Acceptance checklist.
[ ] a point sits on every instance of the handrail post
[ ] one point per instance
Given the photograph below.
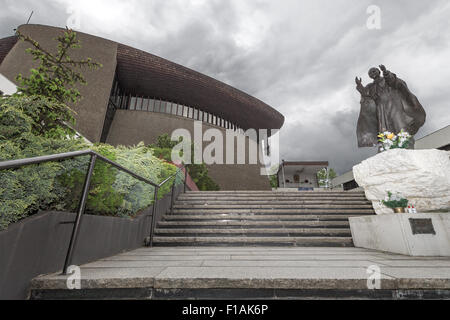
(152, 226)
(185, 177)
(172, 196)
(81, 208)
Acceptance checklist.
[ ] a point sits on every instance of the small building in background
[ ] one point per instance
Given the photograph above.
(300, 175)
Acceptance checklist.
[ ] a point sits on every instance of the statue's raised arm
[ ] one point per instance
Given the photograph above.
(391, 78)
(359, 86)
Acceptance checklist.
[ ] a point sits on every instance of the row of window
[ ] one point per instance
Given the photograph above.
(119, 99)
(161, 106)
(123, 101)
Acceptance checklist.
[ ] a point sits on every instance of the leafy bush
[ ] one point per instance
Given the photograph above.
(58, 185)
(103, 199)
(31, 188)
(322, 176)
(138, 195)
(200, 175)
(198, 172)
(273, 181)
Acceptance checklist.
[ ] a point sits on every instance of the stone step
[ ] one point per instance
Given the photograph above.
(258, 218)
(260, 195)
(271, 211)
(291, 232)
(250, 217)
(193, 193)
(268, 201)
(273, 205)
(272, 192)
(253, 224)
(254, 241)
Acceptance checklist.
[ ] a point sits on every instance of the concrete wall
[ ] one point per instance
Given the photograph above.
(6, 86)
(90, 110)
(132, 127)
(38, 245)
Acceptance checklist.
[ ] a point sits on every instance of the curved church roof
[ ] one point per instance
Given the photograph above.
(142, 73)
(6, 45)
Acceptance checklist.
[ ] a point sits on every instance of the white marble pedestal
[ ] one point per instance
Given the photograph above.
(408, 234)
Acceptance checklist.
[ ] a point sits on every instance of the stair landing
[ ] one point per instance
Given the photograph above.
(254, 273)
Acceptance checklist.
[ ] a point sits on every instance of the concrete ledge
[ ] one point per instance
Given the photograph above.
(238, 294)
(408, 234)
(251, 272)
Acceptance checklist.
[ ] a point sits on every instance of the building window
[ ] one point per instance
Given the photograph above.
(141, 103)
(133, 103)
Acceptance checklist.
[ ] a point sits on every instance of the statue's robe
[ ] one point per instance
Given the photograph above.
(388, 105)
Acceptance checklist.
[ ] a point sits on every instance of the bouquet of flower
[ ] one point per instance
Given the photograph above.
(395, 201)
(389, 140)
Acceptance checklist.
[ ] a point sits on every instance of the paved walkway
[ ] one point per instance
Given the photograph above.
(259, 267)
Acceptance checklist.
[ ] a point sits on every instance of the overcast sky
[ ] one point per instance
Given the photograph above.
(299, 56)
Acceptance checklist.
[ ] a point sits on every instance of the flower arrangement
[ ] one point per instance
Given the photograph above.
(395, 201)
(389, 140)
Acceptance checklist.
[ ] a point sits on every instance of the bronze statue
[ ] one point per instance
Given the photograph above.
(387, 105)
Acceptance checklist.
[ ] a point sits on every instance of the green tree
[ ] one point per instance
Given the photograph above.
(322, 176)
(273, 181)
(57, 73)
(198, 172)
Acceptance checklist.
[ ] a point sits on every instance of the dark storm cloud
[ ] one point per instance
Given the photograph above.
(301, 57)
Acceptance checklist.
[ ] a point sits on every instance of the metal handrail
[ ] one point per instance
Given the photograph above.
(14, 164)
(172, 176)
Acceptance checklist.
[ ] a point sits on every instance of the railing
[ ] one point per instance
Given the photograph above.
(14, 164)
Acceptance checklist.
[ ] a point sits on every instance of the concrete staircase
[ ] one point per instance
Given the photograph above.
(262, 218)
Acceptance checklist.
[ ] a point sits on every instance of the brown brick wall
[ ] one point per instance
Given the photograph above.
(132, 127)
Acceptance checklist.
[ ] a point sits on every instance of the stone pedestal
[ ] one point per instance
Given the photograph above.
(408, 234)
(421, 176)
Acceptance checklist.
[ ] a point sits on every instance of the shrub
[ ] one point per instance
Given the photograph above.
(31, 188)
(198, 172)
(273, 181)
(58, 185)
(103, 199)
(139, 195)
